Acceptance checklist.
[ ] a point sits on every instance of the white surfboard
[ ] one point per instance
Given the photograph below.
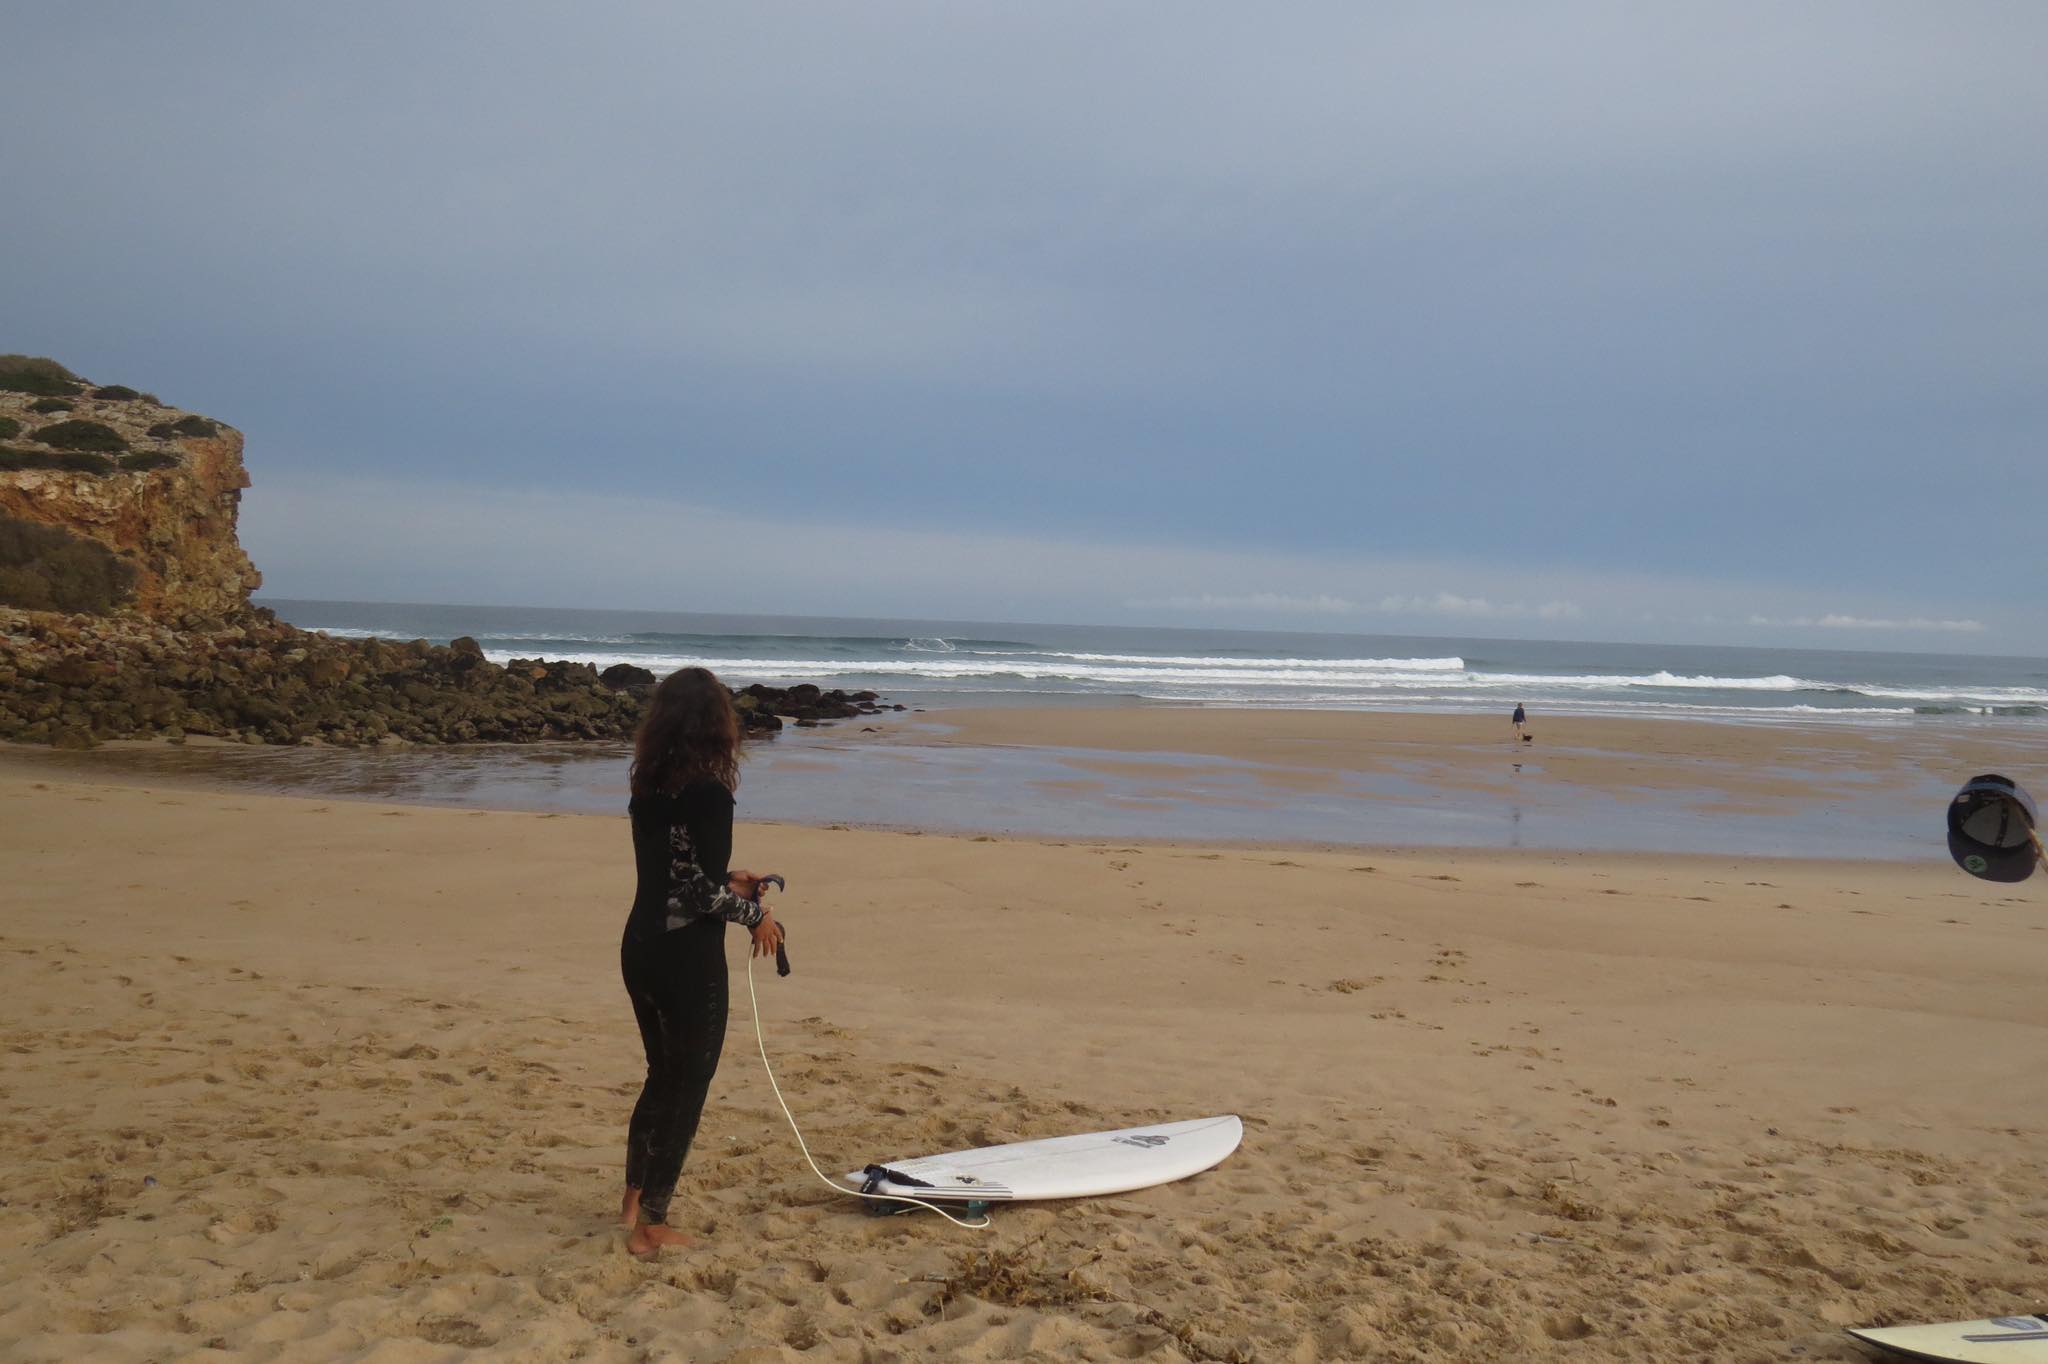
(1083, 1166)
(2020, 1340)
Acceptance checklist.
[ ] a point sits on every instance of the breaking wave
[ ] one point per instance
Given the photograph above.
(955, 667)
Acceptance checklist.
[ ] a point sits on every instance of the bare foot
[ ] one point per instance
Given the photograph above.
(646, 1241)
(629, 1208)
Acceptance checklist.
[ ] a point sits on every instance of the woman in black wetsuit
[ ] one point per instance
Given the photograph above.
(685, 766)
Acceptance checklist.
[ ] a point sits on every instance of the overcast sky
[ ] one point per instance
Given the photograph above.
(1721, 322)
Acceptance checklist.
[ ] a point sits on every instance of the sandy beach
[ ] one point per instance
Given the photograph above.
(294, 1078)
(1415, 586)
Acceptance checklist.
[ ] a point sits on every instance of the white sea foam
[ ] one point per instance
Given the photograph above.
(1297, 681)
(1990, 696)
(952, 667)
(1348, 679)
(952, 664)
(1409, 681)
(537, 636)
(1265, 664)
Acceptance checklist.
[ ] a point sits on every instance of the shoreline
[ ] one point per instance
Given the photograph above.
(1229, 778)
(155, 787)
(352, 1076)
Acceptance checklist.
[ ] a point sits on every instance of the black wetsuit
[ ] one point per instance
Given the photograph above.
(673, 959)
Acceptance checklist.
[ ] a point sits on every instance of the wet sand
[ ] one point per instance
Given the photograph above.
(1753, 764)
(1177, 774)
(317, 1079)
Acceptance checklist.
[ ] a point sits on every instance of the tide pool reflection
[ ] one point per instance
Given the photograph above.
(1065, 793)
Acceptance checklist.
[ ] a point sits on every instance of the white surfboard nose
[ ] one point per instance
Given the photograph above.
(2016, 1339)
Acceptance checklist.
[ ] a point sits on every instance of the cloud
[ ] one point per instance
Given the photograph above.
(444, 542)
(336, 537)
(440, 541)
(1452, 604)
(1321, 603)
(1446, 318)
(1841, 622)
(1836, 620)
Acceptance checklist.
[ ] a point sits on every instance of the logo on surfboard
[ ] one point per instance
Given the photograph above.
(1146, 1139)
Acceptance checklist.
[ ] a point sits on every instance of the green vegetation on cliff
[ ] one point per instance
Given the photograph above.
(184, 426)
(80, 435)
(13, 459)
(37, 374)
(44, 568)
(148, 461)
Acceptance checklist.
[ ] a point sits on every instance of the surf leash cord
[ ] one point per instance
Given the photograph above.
(761, 1041)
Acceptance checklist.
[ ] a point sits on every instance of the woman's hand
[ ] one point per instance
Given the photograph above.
(744, 884)
(767, 935)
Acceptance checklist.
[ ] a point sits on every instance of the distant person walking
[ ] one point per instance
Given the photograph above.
(1521, 718)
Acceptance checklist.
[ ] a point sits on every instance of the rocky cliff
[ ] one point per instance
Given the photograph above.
(157, 486)
(125, 614)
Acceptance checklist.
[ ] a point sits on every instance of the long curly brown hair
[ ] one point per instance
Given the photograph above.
(690, 733)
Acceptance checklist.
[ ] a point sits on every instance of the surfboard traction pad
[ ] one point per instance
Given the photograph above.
(894, 1204)
(2012, 1330)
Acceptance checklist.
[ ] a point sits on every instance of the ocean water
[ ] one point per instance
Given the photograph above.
(915, 775)
(954, 663)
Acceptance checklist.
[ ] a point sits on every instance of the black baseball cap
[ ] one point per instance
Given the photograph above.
(1991, 829)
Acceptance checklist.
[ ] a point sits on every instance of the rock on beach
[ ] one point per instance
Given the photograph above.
(78, 680)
